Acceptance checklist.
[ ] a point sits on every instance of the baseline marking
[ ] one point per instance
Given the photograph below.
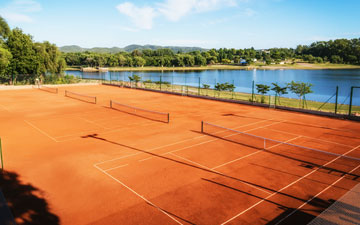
(294, 182)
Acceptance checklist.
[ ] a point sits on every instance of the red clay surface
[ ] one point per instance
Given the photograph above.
(95, 165)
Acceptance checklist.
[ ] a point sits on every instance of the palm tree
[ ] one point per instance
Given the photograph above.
(262, 89)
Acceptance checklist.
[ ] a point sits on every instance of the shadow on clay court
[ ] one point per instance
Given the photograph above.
(25, 202)
(304, 163)
(95, 136)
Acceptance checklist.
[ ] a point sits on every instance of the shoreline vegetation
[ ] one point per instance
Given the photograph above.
(296, 66)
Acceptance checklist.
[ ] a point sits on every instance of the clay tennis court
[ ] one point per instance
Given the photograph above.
(96, 165)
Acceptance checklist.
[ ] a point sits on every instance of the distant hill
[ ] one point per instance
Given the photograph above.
(129, 48)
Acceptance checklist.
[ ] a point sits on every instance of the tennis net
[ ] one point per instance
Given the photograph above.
(148, 114)
(81, 97)
(258, 142)
(48, 89)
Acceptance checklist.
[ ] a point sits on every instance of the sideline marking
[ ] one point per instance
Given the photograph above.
(116, 167)
(5, 108)
(331, 185)
(41, 131)
(294, 182)
(137, 194)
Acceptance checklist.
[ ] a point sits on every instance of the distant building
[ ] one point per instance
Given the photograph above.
(243, 61)
(282, 63)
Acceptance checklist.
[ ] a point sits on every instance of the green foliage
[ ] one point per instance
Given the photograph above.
(262, 89)
(59, 79)
(300, 89)
(135, 78)
(22, 60)
(278, 91)
(206, 86)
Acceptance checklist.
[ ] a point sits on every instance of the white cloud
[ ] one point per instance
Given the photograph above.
(142, 17)
(173, 10)
(17, 18)
(18, 11)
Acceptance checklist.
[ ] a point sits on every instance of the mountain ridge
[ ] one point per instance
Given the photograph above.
(129, 48)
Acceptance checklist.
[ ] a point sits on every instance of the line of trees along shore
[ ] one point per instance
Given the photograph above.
(23, 60)
(341, 51)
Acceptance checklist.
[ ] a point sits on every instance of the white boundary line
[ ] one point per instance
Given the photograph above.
(116, 167)
(294, 182)
(5, 108)
(41, 131)
(331, 185)
(137, 194)
(89, 121)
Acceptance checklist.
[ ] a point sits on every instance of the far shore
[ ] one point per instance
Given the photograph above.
(296, 66)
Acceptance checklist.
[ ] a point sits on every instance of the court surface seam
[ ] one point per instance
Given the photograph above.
(283, 188)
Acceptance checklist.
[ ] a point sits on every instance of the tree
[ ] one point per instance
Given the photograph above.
(278, 91)
(5, 57)
(300, 89)
(4, 29)
(134, 78)
(206, 87)
(262, 89)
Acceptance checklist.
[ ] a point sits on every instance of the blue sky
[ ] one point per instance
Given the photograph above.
(203, 23)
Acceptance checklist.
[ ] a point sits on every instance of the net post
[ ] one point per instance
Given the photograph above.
(1, 155)
(264, 143)
(95, 99)
(168, 117)
(202, 126)
(65, 92)
(351, 96)
(110, 103)
(336, 98)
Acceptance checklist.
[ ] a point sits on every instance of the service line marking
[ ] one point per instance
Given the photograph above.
(292, 183)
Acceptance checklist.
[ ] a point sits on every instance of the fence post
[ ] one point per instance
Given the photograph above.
(160, 81)
(336, 98)
(232, 93)
(351, 95)
(199, 87)
(252, 92)
(1, 155)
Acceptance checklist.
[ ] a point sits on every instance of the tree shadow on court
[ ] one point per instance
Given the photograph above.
(25, 201)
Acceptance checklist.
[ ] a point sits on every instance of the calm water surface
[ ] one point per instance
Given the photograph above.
(324, 81)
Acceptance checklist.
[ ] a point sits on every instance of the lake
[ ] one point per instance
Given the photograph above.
(324, 81)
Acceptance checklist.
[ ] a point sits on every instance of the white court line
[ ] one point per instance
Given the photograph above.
(205, 167)
(116, 167)
(332, 142)
(331, 185)
(254, 153)
(175, 143)
(294, 182)
(6, 109)
(41, 131)
(137, 194)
